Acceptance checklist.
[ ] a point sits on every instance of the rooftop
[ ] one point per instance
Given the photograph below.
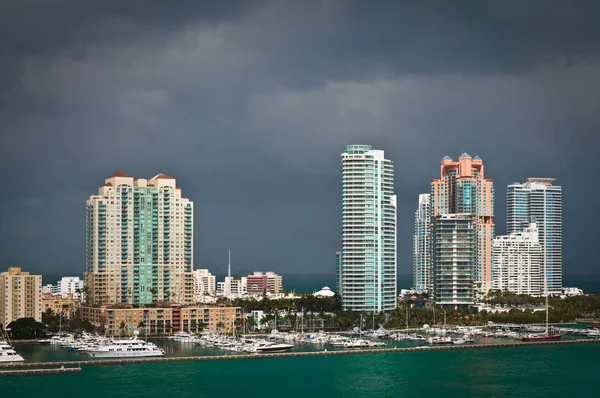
(119, 174)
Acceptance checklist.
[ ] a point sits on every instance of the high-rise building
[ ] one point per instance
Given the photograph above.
(463, 189)
(422, 272)
(539, 201)
(454, 258)
(517, 262)
(204, 283)
(139, 242)
(367, 262)
(20, 296)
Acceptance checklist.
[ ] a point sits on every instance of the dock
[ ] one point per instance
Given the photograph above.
(324, 352)
(44, 371)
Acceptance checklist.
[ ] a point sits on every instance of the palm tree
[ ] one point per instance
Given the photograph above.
(122, 327)
(220, 326)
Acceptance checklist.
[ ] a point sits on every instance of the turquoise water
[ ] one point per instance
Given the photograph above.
(547, 371)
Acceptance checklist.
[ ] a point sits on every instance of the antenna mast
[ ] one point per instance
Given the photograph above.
(229, 277)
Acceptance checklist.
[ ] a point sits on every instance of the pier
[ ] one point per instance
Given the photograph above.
(44, 371)
(325, 352)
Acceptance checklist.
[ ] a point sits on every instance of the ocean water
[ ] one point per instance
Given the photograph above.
(547, 371)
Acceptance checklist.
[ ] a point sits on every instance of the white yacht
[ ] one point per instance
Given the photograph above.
(269, 347)
(8, 353)
(129, 348)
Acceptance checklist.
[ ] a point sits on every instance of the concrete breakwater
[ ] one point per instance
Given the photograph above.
(45, 371)
(35, 365)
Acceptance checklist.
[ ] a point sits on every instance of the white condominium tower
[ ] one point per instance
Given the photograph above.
(517, 259)
(139, 242)
(422, 272)
(367, 260)
(454, 258)
(539, 201)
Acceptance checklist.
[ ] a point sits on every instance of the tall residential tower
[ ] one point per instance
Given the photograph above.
(367, 260)
(463, 189)
(539, 201)
(422, 273)
(139, 242)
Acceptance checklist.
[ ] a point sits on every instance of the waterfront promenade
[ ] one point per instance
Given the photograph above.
(37, 365)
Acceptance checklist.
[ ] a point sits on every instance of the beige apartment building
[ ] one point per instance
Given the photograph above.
(21, 295)
(165, 318)
(67, 306)
(139, 238)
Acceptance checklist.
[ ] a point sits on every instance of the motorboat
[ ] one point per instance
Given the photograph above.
(273, 347)
(127, 348)
(8, 353)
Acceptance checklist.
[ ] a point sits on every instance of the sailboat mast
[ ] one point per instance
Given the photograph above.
(407, 318)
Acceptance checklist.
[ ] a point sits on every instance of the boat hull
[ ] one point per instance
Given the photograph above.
(275, 349)
(11, 358)
(124, 354)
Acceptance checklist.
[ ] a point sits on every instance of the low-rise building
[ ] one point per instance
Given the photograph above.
(165, 318)
(233, 287)
(275, 282)
(20, 296)
(257, 284)
(66, 305)
(204, 285)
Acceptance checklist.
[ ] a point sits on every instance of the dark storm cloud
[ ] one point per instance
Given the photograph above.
(248, 105)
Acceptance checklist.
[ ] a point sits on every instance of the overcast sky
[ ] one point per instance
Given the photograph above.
(249, 104)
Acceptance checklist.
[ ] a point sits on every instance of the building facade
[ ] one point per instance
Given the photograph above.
(463, 189)
(167, 318)
(454, 258)
(367, 261)
(517, 262)
(422, 264)
(264, 282)
(21, 295)
(274, 282)
(66, 305)
(70, 285)
(233, 287)
(139, 236)
(539, 201)
(257, 284)
(205, 284)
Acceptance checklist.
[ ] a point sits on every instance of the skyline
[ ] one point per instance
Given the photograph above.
(251, 123)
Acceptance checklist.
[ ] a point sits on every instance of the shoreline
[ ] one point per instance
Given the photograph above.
(26, 365)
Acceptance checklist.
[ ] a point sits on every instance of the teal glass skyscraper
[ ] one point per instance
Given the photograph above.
(539, 201)
(367, 259)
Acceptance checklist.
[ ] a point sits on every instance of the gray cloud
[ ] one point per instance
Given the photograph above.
(249, 104)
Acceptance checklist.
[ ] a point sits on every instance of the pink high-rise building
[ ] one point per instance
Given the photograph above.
(463, 189)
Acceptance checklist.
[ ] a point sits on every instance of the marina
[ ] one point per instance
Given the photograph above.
(325, 352)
